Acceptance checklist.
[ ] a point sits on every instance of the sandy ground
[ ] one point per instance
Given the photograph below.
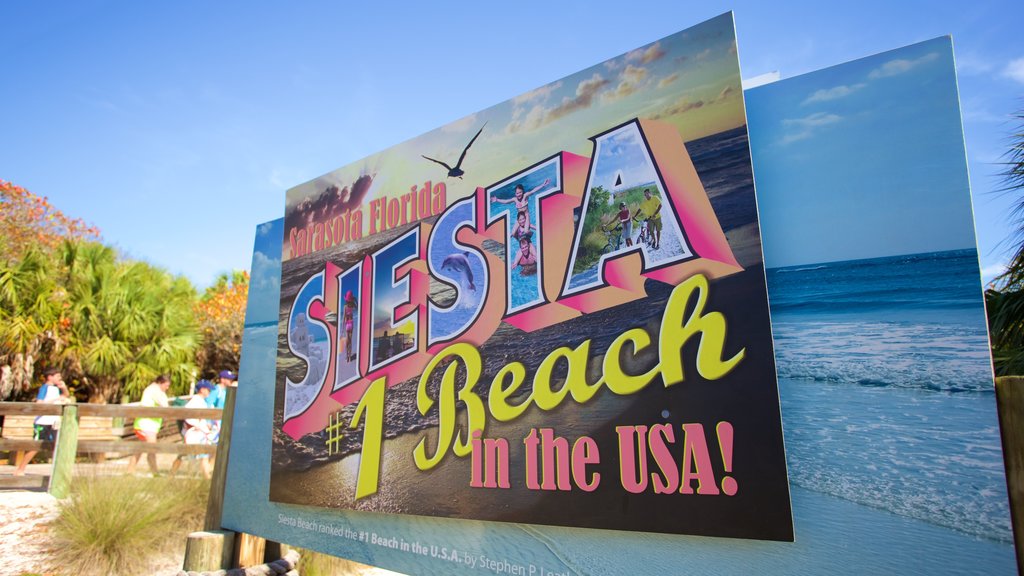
(24, 530)
(25, 515)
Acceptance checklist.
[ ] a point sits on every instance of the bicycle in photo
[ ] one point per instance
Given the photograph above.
(646, 236)
(614, 236)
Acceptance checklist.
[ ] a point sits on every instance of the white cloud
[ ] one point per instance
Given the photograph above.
(539, 94)
(828, 94)
(538, 116)
(461, 125)
(1015, 70)
(668, 80)
(761, 79)
(652, 53)
(803, 128)
(900, 66)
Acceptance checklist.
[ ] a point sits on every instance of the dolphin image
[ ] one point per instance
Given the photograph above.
(460, 263)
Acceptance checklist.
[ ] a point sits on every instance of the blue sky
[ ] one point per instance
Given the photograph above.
(843, 156)
(176, 128)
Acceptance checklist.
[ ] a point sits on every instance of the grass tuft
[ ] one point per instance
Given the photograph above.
(120, 524)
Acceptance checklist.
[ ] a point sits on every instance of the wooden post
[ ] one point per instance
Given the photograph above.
(64, 452)
(215, 505)
(208, 551)
(1010, 400)
(250, 550)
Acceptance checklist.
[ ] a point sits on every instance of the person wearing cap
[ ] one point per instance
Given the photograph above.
(147, 429)
(217, 398)
(198, 431)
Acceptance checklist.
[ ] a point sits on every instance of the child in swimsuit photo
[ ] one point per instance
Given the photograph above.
(522, 198)
(523, 226)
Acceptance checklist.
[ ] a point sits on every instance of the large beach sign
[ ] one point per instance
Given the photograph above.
(892, 439)
(534, 314)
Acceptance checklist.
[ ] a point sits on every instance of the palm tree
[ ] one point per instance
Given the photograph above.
(1004, 300)
(129, 322)
(29, 319)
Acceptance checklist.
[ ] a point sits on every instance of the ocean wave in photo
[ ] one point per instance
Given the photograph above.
(886, 387)
(932, 457)
(887, 287)
(927, 356)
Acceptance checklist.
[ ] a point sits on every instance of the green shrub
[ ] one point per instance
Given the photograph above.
(120, 524)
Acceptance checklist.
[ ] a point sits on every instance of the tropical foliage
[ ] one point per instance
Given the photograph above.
(1004, 300)
(31, 222)
(220, 314)
(110, 324)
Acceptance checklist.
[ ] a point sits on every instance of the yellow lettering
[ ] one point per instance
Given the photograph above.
(618, 381)
(497, 400)
(675, 332)
(446, 413)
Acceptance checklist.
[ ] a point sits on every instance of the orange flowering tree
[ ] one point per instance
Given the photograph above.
(31, 222)
(220, 315)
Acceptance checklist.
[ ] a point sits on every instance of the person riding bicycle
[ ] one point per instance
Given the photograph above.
(626, 223)
(613, 230)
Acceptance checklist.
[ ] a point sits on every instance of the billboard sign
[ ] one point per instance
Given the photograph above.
(552, 311)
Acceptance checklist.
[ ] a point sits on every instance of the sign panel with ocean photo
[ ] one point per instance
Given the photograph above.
(552, 311)
(877, 311)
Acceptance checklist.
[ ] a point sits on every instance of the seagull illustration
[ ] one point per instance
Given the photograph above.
(457, 171)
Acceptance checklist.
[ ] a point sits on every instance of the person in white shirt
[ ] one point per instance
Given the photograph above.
(198, 431)
(53, 391)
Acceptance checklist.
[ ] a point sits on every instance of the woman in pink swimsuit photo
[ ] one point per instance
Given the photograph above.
(526, 259)
(349, 318)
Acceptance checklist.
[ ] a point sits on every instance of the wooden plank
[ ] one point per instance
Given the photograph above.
(28, 481)
(120, 446)
(24, 444)
(29, 408)
(215, 503)
(110, 410)
(133, 447)
(64, 455)
(174, 412)
(1010, 400)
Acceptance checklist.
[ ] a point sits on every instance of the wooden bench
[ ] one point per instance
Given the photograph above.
(90, 428)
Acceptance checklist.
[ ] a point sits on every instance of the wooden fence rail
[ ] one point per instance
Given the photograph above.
(68, 445)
